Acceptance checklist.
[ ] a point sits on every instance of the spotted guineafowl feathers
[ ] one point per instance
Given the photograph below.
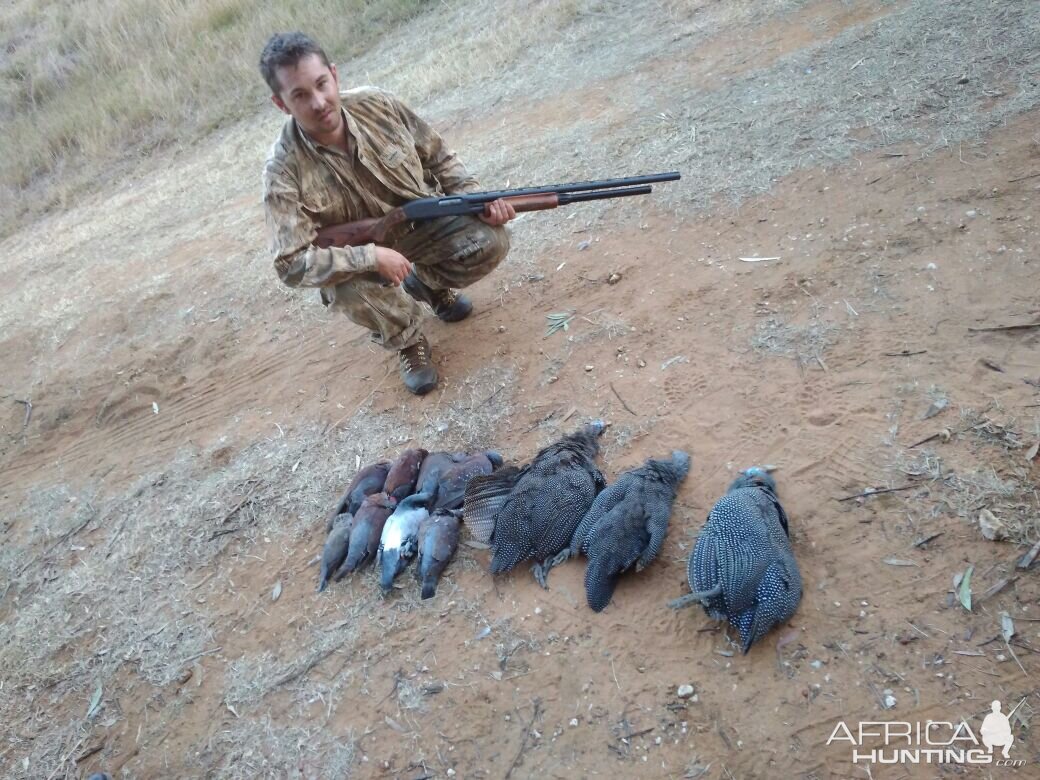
(742, 567)
(627, 524)
(536, 509)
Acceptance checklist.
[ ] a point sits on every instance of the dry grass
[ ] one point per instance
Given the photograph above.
(79, 79)
(807, 343)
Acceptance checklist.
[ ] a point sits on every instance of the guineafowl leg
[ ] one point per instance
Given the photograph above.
(561, 556)
(541, 571)
(700, 597)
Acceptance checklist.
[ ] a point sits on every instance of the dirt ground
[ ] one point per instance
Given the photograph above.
(191, 421)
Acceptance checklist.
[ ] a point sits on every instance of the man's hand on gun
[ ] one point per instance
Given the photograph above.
(497, 212)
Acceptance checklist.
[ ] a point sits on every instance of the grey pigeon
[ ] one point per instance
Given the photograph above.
(368, 480)
(534, 510)
(366, 533)
(400, 538)
(335, 549)
(452, 483)
(438, 540)
(626, 525)
(742, 567)
(432, 466)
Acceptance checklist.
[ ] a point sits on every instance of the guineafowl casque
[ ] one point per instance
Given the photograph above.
(626, 525)
(534, 510)
(742, 568)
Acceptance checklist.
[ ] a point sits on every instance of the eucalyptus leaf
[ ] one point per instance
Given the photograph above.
(964, 591)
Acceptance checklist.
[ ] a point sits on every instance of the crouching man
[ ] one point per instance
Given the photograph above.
(342, 157)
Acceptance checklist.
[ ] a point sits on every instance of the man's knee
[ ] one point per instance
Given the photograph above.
(491, 245)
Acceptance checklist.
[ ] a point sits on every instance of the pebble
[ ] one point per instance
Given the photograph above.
(450, 772)
(816, 664)
(685, 691)
(574, 722)
(584, 245)
(553, 379)
(641, 363)
(614, 278)
(589, 368)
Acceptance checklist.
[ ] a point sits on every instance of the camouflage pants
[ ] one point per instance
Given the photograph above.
(447, 252)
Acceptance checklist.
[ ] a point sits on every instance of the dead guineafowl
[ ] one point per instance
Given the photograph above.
(742, 568)
(366, 533)
(367, 481)
(400, 538)
(438, 540)
(534, 510)
(335, 550)
(626, 525)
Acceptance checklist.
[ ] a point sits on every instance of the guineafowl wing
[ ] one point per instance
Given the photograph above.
(603, 503)
(558, 507)
(776, 599)
(656, 498)
(485, 496)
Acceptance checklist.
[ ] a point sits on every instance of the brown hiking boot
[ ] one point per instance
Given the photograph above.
(417, 370)
(448, 305)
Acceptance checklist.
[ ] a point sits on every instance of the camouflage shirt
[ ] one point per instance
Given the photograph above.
(393, 157)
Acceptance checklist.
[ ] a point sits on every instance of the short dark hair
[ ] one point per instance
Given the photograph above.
(284, 50)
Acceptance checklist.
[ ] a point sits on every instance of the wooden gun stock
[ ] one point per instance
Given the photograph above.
(364, 231)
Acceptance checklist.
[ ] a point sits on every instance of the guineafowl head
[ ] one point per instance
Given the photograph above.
(755, 476)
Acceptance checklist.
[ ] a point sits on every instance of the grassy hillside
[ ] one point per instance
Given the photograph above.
(88, 87)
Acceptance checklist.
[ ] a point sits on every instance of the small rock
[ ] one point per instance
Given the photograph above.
(890, 701)
(641, 363)
(582, 245)
(553, 379)
(538, 610)
(932, 267)
(614, 278)
(685, 691)
(501, 328)
(574, 722)
(589, 368)
(450, 772)
(971, 213)
(816, 664)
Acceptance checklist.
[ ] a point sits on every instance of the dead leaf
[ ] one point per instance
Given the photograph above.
(964, 591)
(1031, 453)
(276, 592)
(936, 407)
(1007, 626)
(898, 562)
(95, 702)
(395, 725)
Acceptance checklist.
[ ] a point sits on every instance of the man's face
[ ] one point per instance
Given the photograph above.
(310, 93)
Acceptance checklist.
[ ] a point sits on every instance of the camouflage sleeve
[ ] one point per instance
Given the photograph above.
(436, 157)
(298, 262)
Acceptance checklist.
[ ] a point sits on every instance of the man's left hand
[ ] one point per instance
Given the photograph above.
(497, 212)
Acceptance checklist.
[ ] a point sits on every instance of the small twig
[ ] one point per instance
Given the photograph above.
(1008, 646)
(230, 513)
(925, 540)
(919, 631)
(622, 400)
(527, 734)
(197, 656)
(1023, 178)
(904, 353)
(89, 752)
(639, 733)
(224, 532)
(924, 440)
(867, 493)
(28, 411)
(1024, 326)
